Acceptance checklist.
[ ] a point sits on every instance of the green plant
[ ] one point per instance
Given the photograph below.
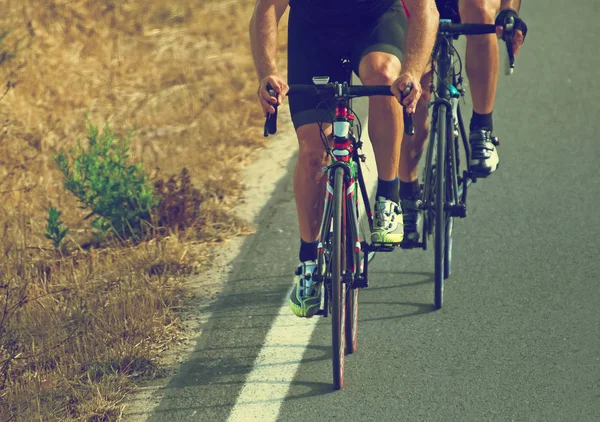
(55, 231)
(118, 194)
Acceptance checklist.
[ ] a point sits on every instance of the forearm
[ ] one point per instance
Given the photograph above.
(420, 38)
(263, 40)
(510, 4)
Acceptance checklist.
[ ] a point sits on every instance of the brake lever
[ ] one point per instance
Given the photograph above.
(508, 32)
(409, 127)
(271, 119)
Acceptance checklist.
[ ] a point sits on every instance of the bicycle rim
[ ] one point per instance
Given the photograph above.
(440, 220)
(338, 299)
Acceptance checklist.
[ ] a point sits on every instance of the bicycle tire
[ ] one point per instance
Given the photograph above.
(452, 198)
(351, 320)
(338, 299)
(353, 259)
(440, 220)
(448, 246)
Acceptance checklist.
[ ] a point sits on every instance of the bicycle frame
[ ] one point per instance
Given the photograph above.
(345, 156)
(446, 104)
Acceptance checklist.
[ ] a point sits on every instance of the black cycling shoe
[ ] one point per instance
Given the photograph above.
(412, 221)
(484, 156)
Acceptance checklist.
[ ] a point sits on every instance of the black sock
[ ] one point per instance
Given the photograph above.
(409, 190)
(481, 122)
(308, 251)
(389, 189)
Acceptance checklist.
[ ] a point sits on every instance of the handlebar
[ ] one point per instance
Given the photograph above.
(446, 27)
(338, 91)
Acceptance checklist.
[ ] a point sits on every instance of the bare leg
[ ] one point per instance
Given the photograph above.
(385, 113)
(310, 181)
(412, 146)
(482, 55)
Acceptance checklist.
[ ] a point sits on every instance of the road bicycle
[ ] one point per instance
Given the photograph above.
(445, 182)
(344, 248)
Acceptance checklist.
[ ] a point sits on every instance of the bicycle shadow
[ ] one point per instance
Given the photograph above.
(367, 300)
(212, 376)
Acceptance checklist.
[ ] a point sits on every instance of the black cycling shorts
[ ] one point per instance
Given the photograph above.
(448, 10)
(317, 50)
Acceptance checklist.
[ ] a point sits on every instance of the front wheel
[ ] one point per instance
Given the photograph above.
(439, 202)
(338, 299)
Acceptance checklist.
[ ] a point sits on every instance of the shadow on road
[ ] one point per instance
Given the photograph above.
(208, 383)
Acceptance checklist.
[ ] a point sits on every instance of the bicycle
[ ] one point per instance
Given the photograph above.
(342, 245)
(444, 188)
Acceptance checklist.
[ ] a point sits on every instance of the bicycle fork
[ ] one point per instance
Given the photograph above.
(342, 152)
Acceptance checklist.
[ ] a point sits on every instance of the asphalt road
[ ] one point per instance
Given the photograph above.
(519, 335)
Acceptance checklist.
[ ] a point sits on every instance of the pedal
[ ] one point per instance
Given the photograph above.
(382, 248)
(411, 245)
(360, 283)
(459, 210)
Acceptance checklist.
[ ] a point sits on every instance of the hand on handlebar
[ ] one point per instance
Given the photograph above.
(408, 95)
(411, 83)
(515, 34)
(267, 100)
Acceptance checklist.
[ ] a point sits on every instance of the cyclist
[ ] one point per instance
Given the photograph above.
(482, 66)
(384, 50)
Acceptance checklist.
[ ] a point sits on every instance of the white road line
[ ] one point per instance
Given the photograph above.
(275, 367)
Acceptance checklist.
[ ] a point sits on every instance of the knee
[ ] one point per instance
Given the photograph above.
(424, 98)
(379, 69)
(421, 116)
(312, 160)
(311, 152)
(478, 11)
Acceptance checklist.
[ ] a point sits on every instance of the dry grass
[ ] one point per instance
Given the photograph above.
(75, 330)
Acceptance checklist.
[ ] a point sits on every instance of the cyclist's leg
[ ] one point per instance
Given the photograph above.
(385, 113)
(304, 62)
(309, 180)
(308, 57)
(482, 65)
(482, 54)
(412, 149)
(412, 146)
(378, 55)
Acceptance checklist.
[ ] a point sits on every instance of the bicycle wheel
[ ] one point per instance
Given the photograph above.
(429, 181)
(351, 320)
(353, 258)
(448, 247)
(338, 297)
(440, 217)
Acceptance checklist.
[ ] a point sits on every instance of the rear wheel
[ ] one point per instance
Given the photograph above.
(448, 247)
(338, 297)
(351, 319)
